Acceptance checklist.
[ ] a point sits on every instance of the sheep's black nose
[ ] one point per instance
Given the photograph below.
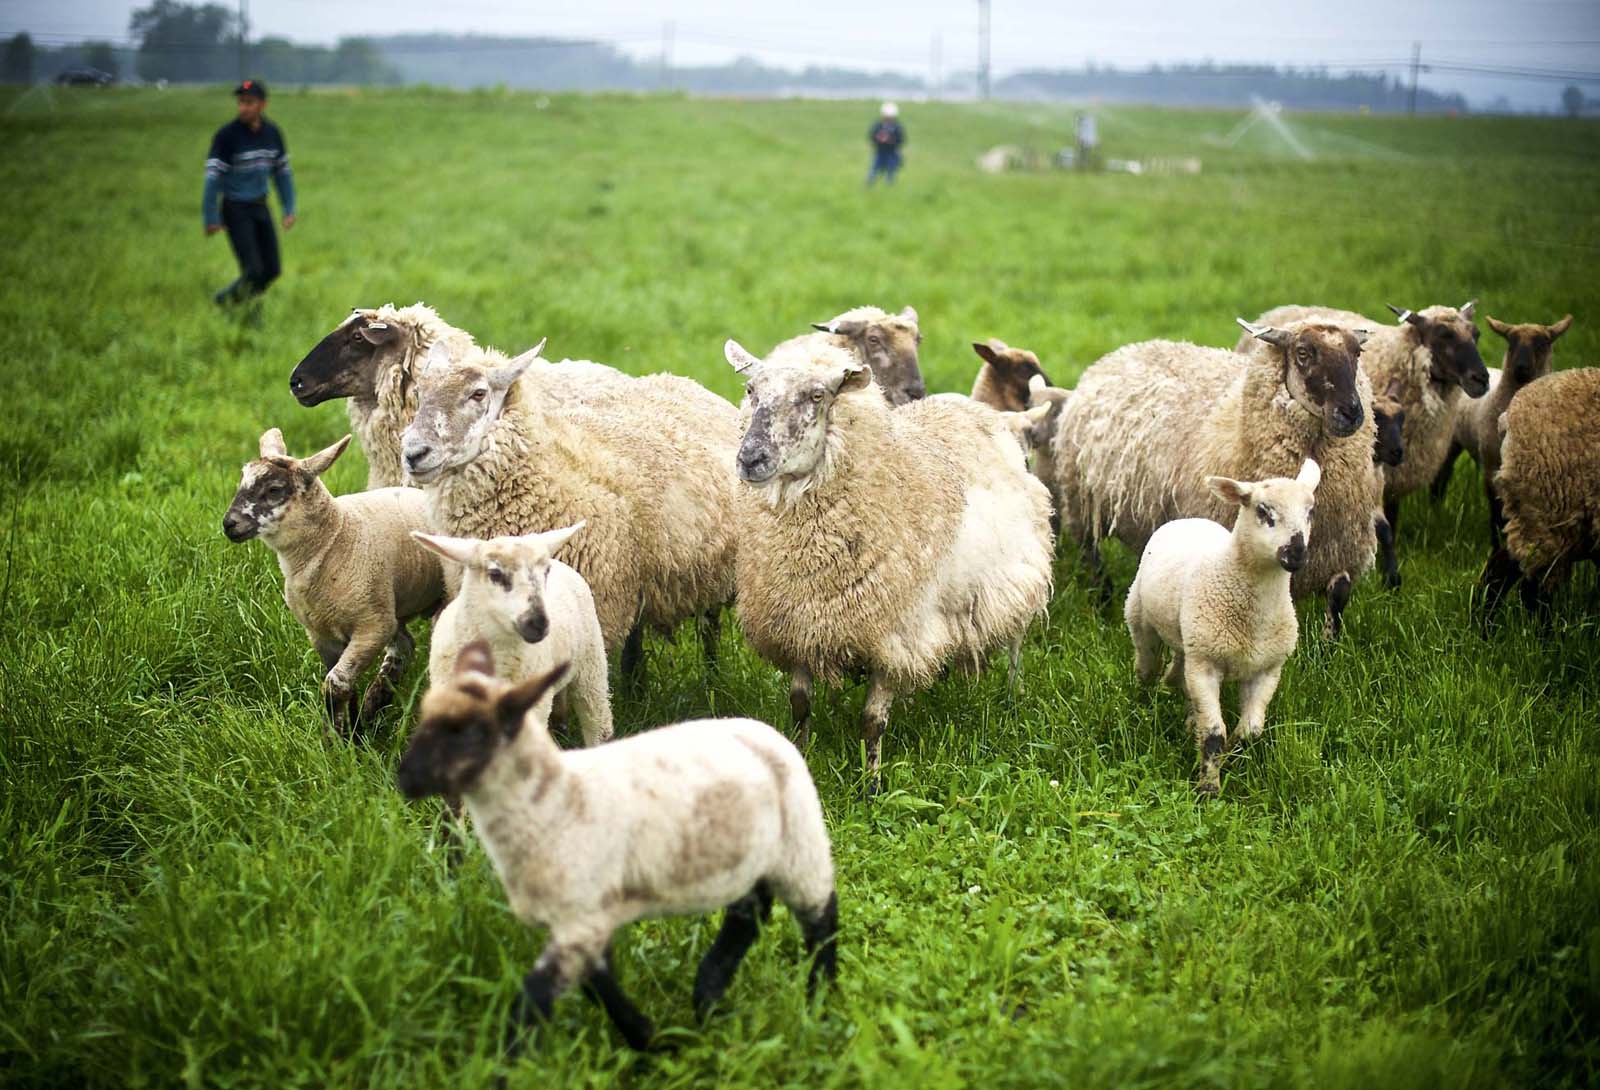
(533, 629)
(235, 527)
(416, 455)
(1292, 557)
(295, 385)
(1347, 420)
(755, 465)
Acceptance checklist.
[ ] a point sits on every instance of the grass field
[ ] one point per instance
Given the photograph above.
(1399, 887)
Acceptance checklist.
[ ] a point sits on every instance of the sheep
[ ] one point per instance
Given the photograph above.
(1433, 354)
(1529, 348)
(886, 343)
(351, 576)
(532, 610)
(648, 470)
(681, 819)
(372, 358)
(891, 542)
(1146, 424)
(1220, 602)
(1003, 380)
(1388, 451)
(1549, 486)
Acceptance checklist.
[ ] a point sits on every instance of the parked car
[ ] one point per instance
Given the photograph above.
(84, 76)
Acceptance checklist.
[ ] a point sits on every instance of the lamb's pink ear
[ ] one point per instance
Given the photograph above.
(1310, 473)
(272, 444)
(740, 360)
(463, 550)
(1229, 490)
(476, 658)
(319, 462)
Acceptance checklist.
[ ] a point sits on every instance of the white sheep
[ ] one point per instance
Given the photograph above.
(533, 611)
(891, 542)
(681, 819)
(647, 470)
(352, 576)
(1148, 423)
(1220, 601)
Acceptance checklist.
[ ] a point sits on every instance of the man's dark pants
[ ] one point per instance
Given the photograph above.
(255, 244)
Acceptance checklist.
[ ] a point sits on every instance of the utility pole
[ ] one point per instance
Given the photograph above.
(983, 48)
(244, 33)
(1416, 63)
(934, 62)
(668, 31)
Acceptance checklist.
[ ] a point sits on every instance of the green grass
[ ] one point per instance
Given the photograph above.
(1400, 886)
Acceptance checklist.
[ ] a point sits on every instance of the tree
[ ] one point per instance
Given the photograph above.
(184, 41)
(17, 65)
(100, 55)
(1572, 100)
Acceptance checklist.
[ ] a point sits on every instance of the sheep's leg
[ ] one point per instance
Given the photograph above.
(1500, 575)
(1391, 512)
(1497, 514)
(800, 705)
(1014, 667)
(1441, 480)
(874, 722)
(602, 987)
(556, 970)
(1174, 674)
(1147, 651)
(329, 653)
(380, 694)
(633, 652)
(820, 928)
(710, 625)
(1203, 683)
(1094, 568)
(339, 685)
(1388, 562)
(1338, 598)
(741, 923)
(591, 703)
(1254, 695)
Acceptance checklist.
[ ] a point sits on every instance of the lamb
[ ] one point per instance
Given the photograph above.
(372, 358)
(886, 343)
(351, 575)
(1220, 601)
(1549, 486)
(1433, 355)
(533, 611)
(834, 577)
(1529, 348)
(681, 819)
(1148, 423)
(1003, 380)
(647, 470)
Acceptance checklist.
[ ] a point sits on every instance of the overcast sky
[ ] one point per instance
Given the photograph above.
(1547, 35)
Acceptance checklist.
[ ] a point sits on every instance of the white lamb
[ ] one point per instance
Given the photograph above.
(1220, 601)
(682, 819)
(533, 611)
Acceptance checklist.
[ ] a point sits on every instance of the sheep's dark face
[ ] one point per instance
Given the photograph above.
(786, 412)
(267, 489)
(458, 404)
(1529, 347)
(1388, 447)
(1320, 367)
(466, 721)
(888, 345)
(346, 362)
(1451, 339)
(1274, 519)
(1010, 369)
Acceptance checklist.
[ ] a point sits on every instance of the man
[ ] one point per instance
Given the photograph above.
(243, 153)
(1088, 136)
(887, 137)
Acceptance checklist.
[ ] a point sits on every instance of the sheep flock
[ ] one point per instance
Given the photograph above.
(549, 515)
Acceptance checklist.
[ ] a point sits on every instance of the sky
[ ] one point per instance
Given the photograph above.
(904, 35)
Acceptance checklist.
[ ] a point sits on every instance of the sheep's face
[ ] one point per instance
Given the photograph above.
(505, 578)
(1388, 448)
(786, 412)
(1451, 339)
(887, 343)
(271, 488)
(1528, 347)
(466, 721)
(1010, 370)
(458, 403)
(1274, 520)
(1319, 370)
(346, 362)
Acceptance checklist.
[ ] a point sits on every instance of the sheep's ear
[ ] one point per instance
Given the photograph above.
(501, 378)
(552, 540)
(1040, 392)
(438, 356)
(476, 658)
(379, 333)
(1468, 307)
(853, 376)
(1560, 327)
(272, 444)
(1395, 390)
(1497, 325)
(1310, 473)
(987, 352)
(852, 328)
(463, 550)
(910, 315)
(1271, 334)
(319, 462)
(1502, 424)
(1361, 336)
(513, 705)
(1229, 490)
(1407, 315)
(740, 360)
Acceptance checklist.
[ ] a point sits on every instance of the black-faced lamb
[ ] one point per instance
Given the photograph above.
(1220, 602)
(1148, 423)
(889, 542)
(352, 576)
(682, 819)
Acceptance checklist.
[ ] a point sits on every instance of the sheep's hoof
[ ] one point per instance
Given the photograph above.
(1208, 789)
(870, 789)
